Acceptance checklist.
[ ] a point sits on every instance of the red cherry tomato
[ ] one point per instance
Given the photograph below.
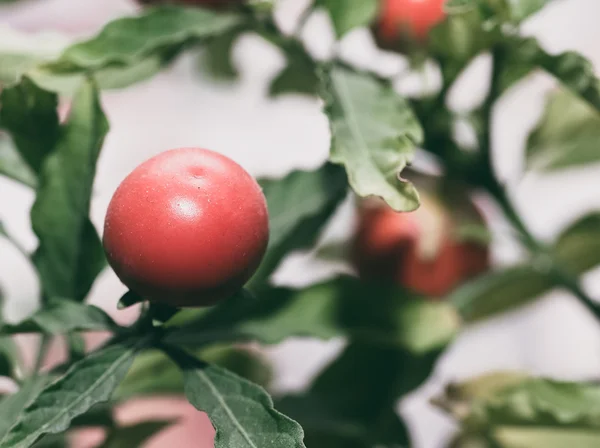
(389, 246)
(412, 18)
(187, 227)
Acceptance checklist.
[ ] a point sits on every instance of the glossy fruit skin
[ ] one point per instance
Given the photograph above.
(187, 227)
(412, 19)
(387, 248)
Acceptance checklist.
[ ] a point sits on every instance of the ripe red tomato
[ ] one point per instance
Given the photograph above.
(187, 227)
(408, 18)
(416, 250)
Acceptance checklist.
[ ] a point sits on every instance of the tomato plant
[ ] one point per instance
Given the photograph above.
(196, 240)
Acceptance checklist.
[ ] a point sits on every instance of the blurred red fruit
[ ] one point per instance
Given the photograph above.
(419, 250)
(407, 20)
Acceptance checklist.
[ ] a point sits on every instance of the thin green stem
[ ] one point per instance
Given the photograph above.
(42, 352)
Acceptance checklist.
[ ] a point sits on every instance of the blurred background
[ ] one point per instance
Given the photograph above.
(183, 106)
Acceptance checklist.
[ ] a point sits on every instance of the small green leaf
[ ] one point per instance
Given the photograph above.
(349, 14)
(315, 195)
(217, 58)
(70, 253)
(61, 317)
(374, 135)
(578, 247)
(129, 40)
(12, 164)
(12, 406)
(298, 76)
(566, 136)
(87, 383)
(133, 435)
(572, 69)
(166, 377)
(30, 114)
(499, 291)
(14, 65)
(241, 412)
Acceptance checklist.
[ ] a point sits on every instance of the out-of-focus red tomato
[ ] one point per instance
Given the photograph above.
(407, 19)
(419, 250)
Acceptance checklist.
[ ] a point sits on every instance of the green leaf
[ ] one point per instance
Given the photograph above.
(12, 164)
(61, 317)
(10, 359)
(298, 76)
(365, 417)
(29, 113)
(70, 253)
(349, 14)
(578, 247)
(566, 135)
(499, 291)
(87, 383)
(337, 307)
(14, 65)
(315, 196)
(570, 68)
(217, 58)
(11, 406)
(133, 435)
(374, 135)
(128, 40)
(473, 26)
(111, 77)
(166, 377)
(241, 412)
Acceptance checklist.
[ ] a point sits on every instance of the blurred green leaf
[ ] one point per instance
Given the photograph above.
(30, 114)
(10, 357)
(510, 410)
(315, 196)
(129, 40)
(12, 164)
(217, 56)
(337, 307)
(134, 435)
(153, 373)
(298, 76)
(570, 68)
(578, 247)
(70, 253)
(499, 291)
(576, 251)
(14, 65)
(566, 136)
(366, 416)
(61, 317)
(349, 14)
(374, 136)
(112, 77)
(12, 405)
(241, 412)
(87, 383)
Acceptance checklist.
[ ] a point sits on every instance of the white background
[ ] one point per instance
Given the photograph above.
(181, 107)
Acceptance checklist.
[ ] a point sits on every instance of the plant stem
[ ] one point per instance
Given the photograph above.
(42, 352)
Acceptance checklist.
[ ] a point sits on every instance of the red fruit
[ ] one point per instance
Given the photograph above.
(187, 227)
(408, 18)
(416, 250)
